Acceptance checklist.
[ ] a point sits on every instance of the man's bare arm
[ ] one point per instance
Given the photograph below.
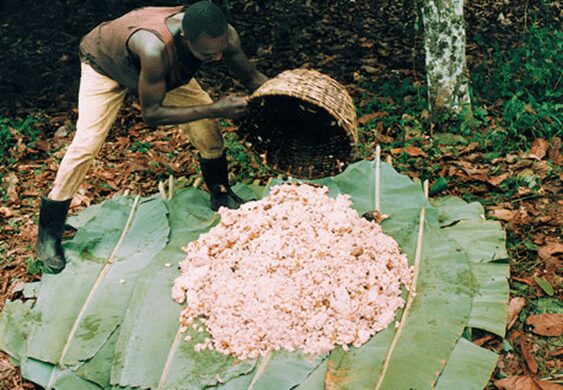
(152, 88)
(239, 63)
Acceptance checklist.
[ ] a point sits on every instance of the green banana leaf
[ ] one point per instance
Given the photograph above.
(153, 353)
(15, 327)
(483, 241)
(469, 367)
(111, 324)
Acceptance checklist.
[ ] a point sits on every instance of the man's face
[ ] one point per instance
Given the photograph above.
(206, 48)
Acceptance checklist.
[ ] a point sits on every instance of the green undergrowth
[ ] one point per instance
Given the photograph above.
(527, 82)
(17, 137)
(14, 134)
(247, 167)
(516, 98)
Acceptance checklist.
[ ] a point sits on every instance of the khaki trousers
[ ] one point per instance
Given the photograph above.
(99, 101)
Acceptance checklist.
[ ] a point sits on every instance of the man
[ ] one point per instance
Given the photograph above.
(154, 51)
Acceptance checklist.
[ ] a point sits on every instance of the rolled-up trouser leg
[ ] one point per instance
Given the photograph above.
(99, 100)
(204, 134)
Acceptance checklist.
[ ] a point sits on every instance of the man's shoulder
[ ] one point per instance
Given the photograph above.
(145, 43)
(231, 32)
(233, 39)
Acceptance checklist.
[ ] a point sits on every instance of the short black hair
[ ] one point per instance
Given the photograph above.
(203, 17)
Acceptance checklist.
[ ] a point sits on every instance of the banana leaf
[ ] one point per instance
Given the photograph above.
(483, 241)
(77, 311)
(15, 325)
(469, 367)
(153, 353)
(112, 324)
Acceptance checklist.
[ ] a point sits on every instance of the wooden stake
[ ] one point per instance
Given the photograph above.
(260, 370)
(169, 360)
(412, 294)
(170, 187)
(161, 190)
(377, 176)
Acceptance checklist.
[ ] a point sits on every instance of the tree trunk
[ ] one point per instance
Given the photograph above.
(446, 68)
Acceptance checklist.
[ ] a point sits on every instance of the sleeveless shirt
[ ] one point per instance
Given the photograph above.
(105, 47)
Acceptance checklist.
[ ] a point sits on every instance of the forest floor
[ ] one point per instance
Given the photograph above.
(507, 156)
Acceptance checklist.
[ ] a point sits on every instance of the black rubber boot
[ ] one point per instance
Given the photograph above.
(52, 216)
(215, 174)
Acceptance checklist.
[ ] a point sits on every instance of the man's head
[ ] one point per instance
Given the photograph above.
(204, 29)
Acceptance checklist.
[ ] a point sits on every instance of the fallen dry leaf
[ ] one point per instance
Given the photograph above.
(6, 370)
(369, 69)
(543, 385)
(367, 118)
(326, 60)
(529, 358)
(474, 156)
(555, 150)
(516, 383)
(31, 192)
(82, 197)
(471, 172)
(521, 382)
(469, 148)
(43, 145)
(542, 168)
(514, 307)
(62, 132)
(503, 214)
(539, 239)
(545, 218)
(412, 151)
(6, 212)
(546, 324)
(528, 281)
(496, 180)
(481, 341)
(524, 191)
(538, 149)
(12, 180)
(551, 253)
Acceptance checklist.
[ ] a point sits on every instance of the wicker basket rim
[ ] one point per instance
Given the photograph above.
(348, 126)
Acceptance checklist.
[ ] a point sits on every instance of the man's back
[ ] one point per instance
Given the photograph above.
(106, 49)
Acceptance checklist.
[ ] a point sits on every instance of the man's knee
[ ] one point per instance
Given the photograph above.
(202, 126)
(211, 153)
(210, 149)
(80, 154)
(206, 136)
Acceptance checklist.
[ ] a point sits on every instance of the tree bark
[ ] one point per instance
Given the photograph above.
(446, 67)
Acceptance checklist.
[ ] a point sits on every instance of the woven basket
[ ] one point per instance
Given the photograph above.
(302, 123)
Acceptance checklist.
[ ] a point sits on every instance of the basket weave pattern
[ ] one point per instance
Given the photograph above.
(302, 123)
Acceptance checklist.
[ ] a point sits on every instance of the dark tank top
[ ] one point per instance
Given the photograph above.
(105, 47)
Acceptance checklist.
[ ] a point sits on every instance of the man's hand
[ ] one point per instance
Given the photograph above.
(230, 107)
